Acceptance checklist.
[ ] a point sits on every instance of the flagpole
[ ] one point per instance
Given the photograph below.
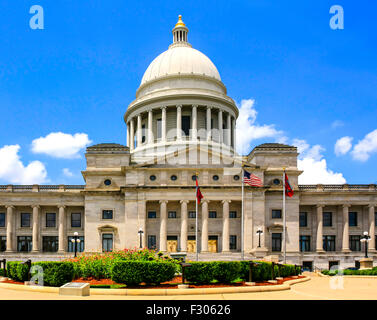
(242, 219)
(284, 227)
(196, 221)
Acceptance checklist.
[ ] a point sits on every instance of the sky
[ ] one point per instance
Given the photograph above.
(295, 79)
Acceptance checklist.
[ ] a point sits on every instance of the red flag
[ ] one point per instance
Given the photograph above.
(199, 195)
(288, 188)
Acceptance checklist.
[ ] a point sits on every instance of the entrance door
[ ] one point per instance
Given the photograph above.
(172, 242)
(191, 244)
(307, 265)
(212, 243)
(333, 263)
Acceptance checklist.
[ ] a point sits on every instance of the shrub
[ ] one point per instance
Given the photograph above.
(200, 272)
(17, 271)
(136, 272)
(226, 272)
(56, 273)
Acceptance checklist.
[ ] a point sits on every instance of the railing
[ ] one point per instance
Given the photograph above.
(36, 188)
(347, 187)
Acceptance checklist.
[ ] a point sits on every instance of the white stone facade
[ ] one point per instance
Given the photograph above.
(181, 124)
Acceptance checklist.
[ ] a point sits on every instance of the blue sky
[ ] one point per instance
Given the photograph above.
(302, 82)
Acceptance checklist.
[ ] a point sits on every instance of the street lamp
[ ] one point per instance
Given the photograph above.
(259, 232)
(140, 232)
(365, 238)
(75, 240)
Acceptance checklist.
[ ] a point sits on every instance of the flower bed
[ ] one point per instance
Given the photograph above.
(150, 269)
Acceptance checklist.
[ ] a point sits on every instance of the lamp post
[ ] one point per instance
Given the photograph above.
(140, 232)
(365, 238)
(75, 240)
(259, 232)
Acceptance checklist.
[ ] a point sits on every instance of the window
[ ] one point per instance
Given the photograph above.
(107, 182)
(80, 245)
(50, 220)
(355, 244)
(212, 214)
(276, 182)
(76, 220)
(152, 177)
(24, 244)
(173, 177)
(172, 214)
(276, 214)
(192, 214)
(215, 177)
(276, 242)
(233, 242)
(143, 133)
(303, 219)
(3, 243)
(193, 177)
(329, 243)
(152, 215)
(2, 219)
(327, 219)
(107, 242)
(304, 243)
(159, 128)
(232, 214)
(152, 242)
(107, 214)
(352, 217)
(50, 244)
(186, 125)
(25, 219)
(236, 177)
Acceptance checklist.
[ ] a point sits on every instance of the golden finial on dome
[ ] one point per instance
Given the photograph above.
(180, 22)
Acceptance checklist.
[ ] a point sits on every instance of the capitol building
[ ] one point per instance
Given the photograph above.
(182, 125)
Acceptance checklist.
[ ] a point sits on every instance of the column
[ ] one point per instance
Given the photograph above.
(128, 134)
(163, 225)
(35, 227)
(346, 237)
(229, 130)
(163, 124)
(194, 122)
(233, 132)
(205, 226)
(184, 225)
(132, 135)
(209, 129)
(150, 126)
(179, 122)
(61, 228)
(372, 242)
(221, 134)
(10, 210)
(139, 132)
(225, 225)
(319, 246)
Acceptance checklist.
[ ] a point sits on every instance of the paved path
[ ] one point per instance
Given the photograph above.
(316, 288)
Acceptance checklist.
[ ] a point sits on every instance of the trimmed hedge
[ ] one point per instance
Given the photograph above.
(136, 272)
(346, 272)
(56, 273)
(226, 272)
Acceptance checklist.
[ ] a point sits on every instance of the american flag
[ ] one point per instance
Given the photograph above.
(251, 179)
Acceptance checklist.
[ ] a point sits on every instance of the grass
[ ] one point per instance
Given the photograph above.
(108, 286)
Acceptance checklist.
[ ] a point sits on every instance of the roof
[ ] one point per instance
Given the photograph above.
(273, 145)
(107, 147)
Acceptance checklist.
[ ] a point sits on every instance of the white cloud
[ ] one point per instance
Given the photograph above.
(337, 124)
(314, 167)
(14, 171)
(67, 172)
(343, 145)
(247, 130)
(365, 147)
(61, 145)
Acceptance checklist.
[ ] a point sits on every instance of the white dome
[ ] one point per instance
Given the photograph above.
(180, 60)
